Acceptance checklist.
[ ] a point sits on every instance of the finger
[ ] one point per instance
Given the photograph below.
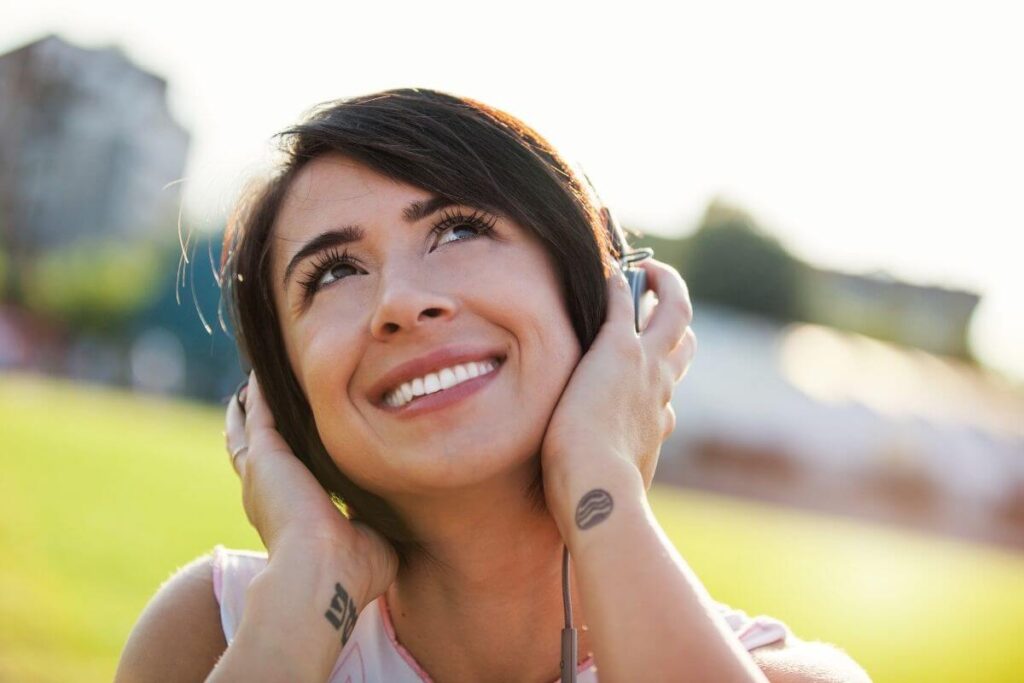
(260, 428)
(673, 313)
(241, 392)
(235, 437)
(619, 317)
(257, 414)
(680, 358)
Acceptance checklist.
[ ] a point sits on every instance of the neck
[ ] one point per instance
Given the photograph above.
(484, 601)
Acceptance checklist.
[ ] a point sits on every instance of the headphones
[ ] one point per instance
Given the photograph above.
(636, 277)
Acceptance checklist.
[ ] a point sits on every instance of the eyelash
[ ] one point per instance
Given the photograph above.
(450, 219)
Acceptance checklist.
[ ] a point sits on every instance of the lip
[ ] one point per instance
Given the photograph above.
(432, 362)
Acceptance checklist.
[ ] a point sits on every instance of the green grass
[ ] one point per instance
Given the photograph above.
(103, 494)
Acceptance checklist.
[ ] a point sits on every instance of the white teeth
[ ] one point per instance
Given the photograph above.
(438, 381)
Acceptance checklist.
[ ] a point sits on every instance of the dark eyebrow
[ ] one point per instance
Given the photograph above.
(322, 242)
(416, 211)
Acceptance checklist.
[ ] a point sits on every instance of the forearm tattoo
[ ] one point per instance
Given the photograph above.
(594, 508)
(342, 613)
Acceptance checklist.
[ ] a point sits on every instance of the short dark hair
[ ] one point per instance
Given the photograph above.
(454, 147)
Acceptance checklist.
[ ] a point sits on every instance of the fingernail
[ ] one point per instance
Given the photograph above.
(240, 394)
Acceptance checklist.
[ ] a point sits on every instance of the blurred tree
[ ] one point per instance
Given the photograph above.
(731, 261)
(93, 286)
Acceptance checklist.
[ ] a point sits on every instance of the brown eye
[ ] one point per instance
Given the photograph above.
(328, 268)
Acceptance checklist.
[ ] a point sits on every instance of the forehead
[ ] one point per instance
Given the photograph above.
(335, 188)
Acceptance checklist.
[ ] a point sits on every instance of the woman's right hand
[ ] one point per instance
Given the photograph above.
(291, 511)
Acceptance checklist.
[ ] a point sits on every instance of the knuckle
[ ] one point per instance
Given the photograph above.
(690, 339)
(681, 357)
(670, 423)
(683, 287)
(682, 308)
(667, 381)
(680, 370)
(671, 272)
(668, 372)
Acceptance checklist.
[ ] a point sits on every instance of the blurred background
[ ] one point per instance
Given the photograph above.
(840, 185)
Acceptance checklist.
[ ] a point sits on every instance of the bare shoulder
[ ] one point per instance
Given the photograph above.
(799, 661)
(178, 637)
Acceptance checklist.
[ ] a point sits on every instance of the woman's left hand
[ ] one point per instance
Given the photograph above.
(616, 407)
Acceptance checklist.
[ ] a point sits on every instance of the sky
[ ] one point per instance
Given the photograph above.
(866, 136)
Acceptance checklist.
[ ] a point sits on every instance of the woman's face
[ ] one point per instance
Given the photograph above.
(384, 293)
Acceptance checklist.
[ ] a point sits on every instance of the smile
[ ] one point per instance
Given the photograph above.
(443, 379)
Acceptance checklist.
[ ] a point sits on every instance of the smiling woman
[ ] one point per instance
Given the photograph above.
(442, 343)
(449, 165)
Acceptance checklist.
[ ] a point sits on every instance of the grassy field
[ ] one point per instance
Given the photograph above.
(104, 493)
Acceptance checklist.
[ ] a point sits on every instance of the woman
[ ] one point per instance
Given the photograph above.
(441, 340)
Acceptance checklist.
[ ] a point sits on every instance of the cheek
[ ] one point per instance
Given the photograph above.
(560, 353)
(533, 309)
(546, 344)
(324, 357)
(322, 360)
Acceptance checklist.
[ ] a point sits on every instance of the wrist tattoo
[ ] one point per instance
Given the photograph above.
(342, 613)
(594, 507)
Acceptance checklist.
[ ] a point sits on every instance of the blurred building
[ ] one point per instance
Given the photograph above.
(838, 421)
(87, 150)
(927, 317)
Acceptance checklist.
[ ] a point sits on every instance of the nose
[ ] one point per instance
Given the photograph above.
(407, 303)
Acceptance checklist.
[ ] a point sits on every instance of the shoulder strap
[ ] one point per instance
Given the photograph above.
(754, 632)
(232, 572)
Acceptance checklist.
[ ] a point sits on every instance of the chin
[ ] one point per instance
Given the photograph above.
(467, 460)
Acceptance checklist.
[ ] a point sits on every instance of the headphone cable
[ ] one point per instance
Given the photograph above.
(569, 644)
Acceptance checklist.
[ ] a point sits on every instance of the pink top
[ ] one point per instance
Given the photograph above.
(373, 653)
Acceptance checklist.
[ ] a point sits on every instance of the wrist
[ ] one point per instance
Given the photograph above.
(283, 633)
(316, 564)
(582, 497)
